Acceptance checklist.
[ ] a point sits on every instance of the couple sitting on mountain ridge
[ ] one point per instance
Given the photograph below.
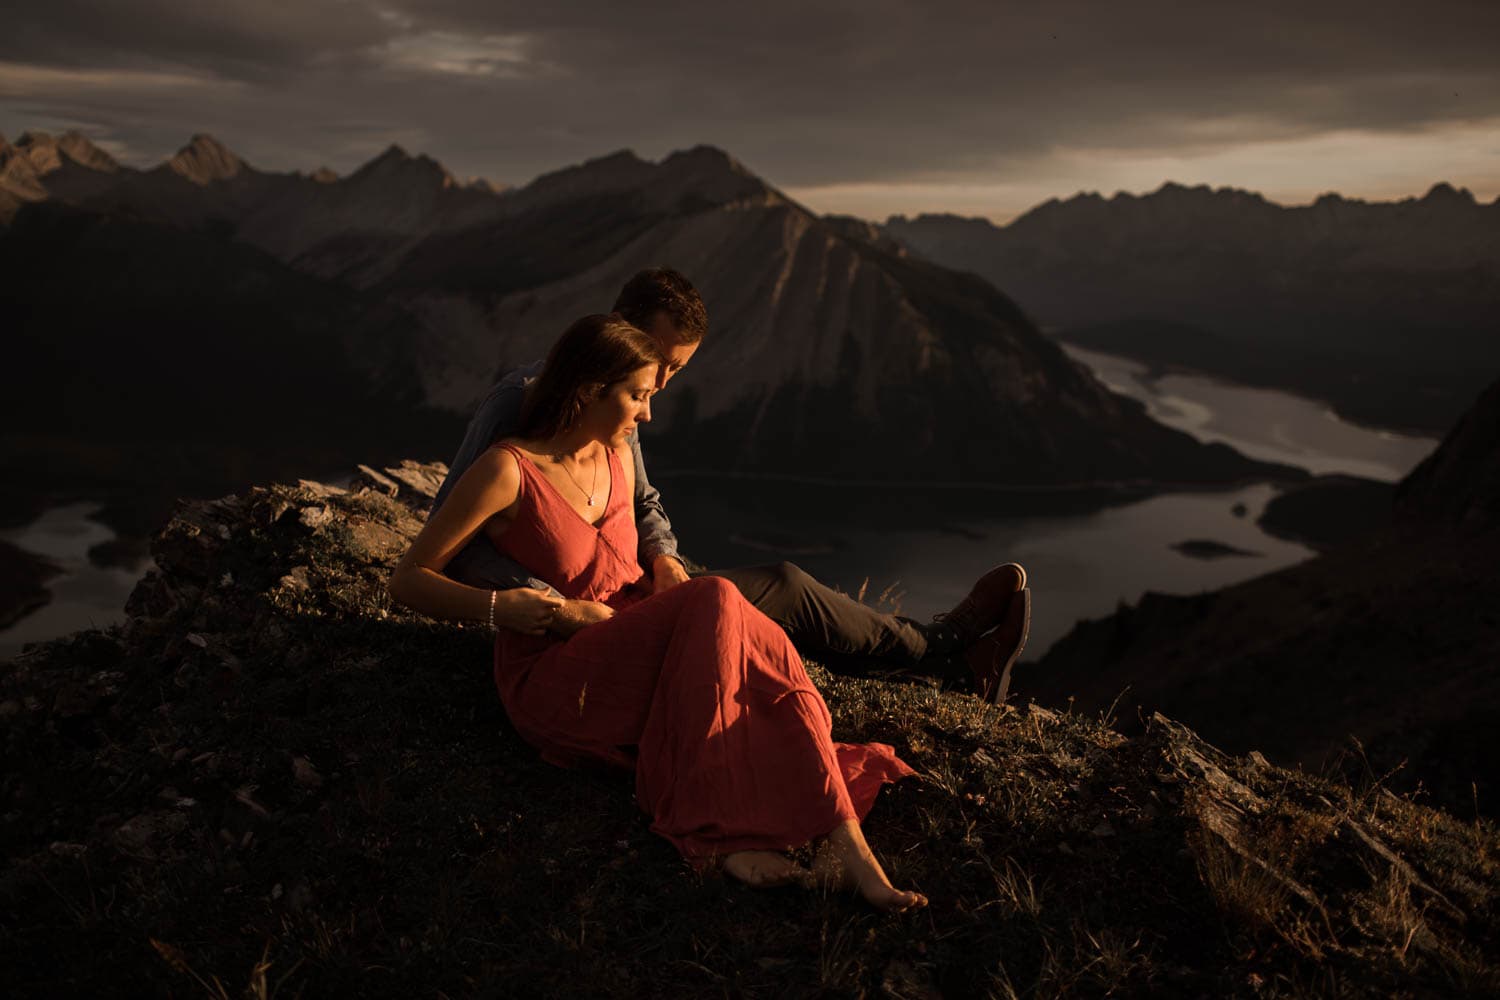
(606, 650)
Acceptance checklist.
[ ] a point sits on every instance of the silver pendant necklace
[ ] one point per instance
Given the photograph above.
(588, 494)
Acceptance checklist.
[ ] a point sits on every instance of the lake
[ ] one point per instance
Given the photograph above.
(923, 548)
(1265, 424)
(84, 595)
(926, 548)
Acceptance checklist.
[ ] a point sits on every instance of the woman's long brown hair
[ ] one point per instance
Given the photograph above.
(593, 353)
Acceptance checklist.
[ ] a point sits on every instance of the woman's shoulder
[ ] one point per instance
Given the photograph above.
(511, 448)
(499, 463)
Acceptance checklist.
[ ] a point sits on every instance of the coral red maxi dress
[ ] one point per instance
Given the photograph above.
(697, 690)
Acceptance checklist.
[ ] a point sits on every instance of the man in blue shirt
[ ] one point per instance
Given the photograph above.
(972, 646)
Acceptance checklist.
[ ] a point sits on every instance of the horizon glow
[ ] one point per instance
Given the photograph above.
(1291, 172)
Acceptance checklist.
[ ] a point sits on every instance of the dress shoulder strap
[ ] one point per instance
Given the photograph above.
(528, 468)
(616, 479)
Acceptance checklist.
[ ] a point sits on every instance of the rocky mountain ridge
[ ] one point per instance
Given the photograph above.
(824, 338)
(1446, 227)
(272, 779)
(1385, 309)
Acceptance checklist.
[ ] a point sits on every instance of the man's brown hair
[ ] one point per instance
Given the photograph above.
(663, 290)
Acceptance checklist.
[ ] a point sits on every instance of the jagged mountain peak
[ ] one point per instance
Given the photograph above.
(205, 160)
(1172, 192)
(47, 151)
(39, 149)
(611, 172)
(396, 165)
(621, 163)
(19, 180)
(1444, 193)
(486, 185)
(860, 230)
(35, 138)
(610, 161)
(83, 151)
(945, 217)
(1171, 200)
(1171, 189)
(710, 174)
(394, 153)
(703, 174)
(706, 158)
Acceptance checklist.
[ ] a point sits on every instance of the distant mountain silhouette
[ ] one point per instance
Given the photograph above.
(1392, 637)
(1387, 310)
(146, 362)
(831, 352)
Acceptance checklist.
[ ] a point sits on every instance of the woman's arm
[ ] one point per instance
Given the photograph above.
(488, 487)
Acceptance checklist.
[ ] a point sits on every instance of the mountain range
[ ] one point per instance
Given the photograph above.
(1388, 310)
(831, 351)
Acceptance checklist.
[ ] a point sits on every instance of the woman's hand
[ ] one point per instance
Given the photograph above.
(575, 615)
(666, 573)
(526, 610)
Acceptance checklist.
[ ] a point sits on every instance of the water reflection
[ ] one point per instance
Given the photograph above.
(84, 595)
(927, 548)
(1266, 424)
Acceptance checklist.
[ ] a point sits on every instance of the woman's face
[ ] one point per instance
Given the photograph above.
(621, 406)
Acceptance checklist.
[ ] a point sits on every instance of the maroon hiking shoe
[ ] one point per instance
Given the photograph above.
(994, 655)
(981, 608)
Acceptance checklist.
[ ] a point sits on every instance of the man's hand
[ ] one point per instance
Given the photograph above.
(576, 615)
(527, 610)
(666, 573)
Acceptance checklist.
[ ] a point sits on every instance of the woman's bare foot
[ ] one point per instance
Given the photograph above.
(844, 861)
(765, 869)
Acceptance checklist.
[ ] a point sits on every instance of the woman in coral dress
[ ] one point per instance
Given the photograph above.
(696, 690)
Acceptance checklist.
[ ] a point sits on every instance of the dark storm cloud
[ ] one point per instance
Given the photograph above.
(807, 93)
(225, 37)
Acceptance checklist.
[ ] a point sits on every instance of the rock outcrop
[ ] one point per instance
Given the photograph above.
(272, 779)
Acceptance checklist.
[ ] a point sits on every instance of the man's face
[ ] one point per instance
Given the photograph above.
(664, 332)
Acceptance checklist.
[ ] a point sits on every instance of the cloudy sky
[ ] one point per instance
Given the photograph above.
(871, 107)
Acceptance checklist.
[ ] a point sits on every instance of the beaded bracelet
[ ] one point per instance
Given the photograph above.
(493, 595)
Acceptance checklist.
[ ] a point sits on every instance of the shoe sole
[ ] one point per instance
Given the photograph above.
(997, 694)
(981, 585)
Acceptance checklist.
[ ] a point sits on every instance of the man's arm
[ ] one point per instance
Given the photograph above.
(480, 564)
(658, 546)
